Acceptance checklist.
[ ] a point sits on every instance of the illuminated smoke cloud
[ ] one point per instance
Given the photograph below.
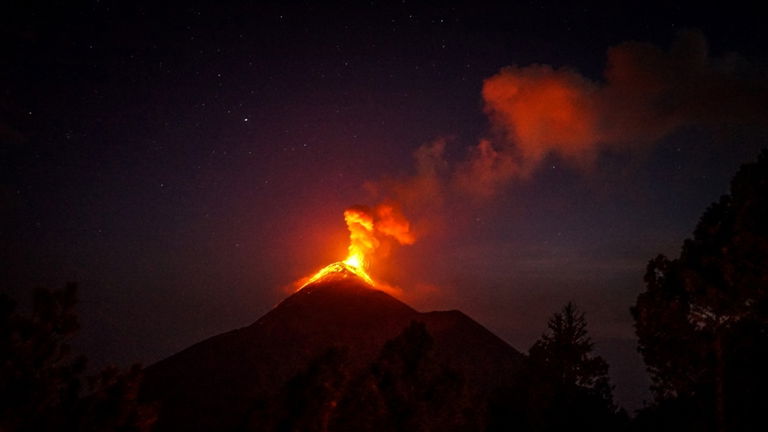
(538, 111)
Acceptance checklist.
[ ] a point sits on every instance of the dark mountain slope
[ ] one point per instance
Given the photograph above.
(214, 384)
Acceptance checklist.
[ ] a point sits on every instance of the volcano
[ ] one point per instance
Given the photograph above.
(218, 383)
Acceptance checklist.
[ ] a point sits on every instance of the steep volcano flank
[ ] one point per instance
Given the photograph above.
(215, 384)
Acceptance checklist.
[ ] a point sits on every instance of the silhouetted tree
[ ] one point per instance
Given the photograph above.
(309, 399)
(111, 402)
(40, 377)
(404, 390)
(42, 383)
(565, 354)
(568, 385)
(702, 321)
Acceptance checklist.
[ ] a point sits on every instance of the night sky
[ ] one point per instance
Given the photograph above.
(185, 164)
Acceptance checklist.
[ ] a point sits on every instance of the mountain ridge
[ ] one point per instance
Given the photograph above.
(215, 383)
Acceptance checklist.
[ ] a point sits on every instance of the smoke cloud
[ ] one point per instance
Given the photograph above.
(539, 112)
(646, 93)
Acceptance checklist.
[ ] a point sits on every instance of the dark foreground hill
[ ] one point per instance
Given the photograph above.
(231, 381)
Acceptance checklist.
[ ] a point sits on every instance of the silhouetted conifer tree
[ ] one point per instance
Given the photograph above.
(565, 386)
(564, 354)
(570, 386)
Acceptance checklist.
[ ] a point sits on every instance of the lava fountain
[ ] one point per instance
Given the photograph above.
(365, 229)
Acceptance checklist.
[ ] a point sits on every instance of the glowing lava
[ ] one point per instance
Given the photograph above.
(340, 268)
(362, 242)
(363, 228)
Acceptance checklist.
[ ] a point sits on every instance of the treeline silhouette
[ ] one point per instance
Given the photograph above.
(43, 384)
(403, 389)
(701, 323)
(562, 384)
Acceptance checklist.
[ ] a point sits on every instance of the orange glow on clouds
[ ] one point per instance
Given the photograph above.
(544, 110)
